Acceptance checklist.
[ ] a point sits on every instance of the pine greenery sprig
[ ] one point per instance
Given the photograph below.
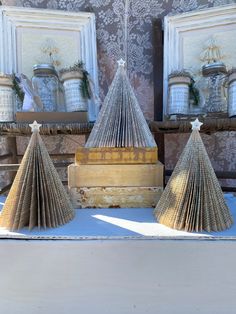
(16, 87)
(194, 93)
(84, 86)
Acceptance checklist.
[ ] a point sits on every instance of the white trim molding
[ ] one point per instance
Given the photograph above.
(195, 27)
(78, 27)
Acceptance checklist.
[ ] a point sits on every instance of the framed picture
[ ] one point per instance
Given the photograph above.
(187, 36)
(31, 36)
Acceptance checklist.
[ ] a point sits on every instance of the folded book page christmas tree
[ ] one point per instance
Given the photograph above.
(118, 167)
(120, 122)
(193, 199)
(37, 197)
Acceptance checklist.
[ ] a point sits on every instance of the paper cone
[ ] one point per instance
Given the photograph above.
(37, 197)
(120, 122)
(193, 199)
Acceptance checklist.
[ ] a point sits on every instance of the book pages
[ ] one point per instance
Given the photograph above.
(193, 199)
(120, 122)
(37, 197)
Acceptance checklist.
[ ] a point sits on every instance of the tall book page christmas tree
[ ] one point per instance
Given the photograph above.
(37, 197)
(120, 122)
(193, 199)
(118, 167)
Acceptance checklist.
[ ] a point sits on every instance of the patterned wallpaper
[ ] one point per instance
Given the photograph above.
(112, 42)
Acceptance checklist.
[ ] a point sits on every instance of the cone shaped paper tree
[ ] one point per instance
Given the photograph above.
(37, 197)
(193, 199)
(120, 122)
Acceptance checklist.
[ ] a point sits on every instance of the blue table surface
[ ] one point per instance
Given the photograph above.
(118, 223)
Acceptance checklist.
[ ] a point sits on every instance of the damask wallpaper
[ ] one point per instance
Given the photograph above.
(113, 42)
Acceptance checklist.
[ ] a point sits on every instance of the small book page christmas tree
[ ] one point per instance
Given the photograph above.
(120, 122)
(193, 199)
(37, 197)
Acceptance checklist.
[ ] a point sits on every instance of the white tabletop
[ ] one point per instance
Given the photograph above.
(118, 223)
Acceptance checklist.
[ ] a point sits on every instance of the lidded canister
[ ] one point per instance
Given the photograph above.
(72, 88)
(178, 93)
(232, 93)
(6, 98)
(46, 83)
(215, 75)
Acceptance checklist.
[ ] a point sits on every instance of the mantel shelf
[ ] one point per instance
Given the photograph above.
(210, 125)
(23, 129)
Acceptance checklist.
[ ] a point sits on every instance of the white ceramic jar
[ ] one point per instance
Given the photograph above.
(73, 98)
(178, 98)
(6, 98)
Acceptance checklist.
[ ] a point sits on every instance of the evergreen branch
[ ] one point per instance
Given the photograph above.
(16, 87)
(194, 93)
(84, 86)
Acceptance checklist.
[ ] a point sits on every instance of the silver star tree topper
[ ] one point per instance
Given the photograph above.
(121, 62)
(35, 126)
(196, 125)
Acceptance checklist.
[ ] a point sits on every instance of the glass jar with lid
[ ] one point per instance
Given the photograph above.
(46, 83)
(215, 78)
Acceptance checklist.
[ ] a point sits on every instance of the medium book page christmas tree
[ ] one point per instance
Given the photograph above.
(193, 199)
(37, 197)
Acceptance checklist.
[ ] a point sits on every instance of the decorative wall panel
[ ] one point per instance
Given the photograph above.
(31, 36)
(192, 38)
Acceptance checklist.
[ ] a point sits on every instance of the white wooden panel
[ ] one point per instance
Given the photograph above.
(117, 277)
(75, 29)
(187, 33)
